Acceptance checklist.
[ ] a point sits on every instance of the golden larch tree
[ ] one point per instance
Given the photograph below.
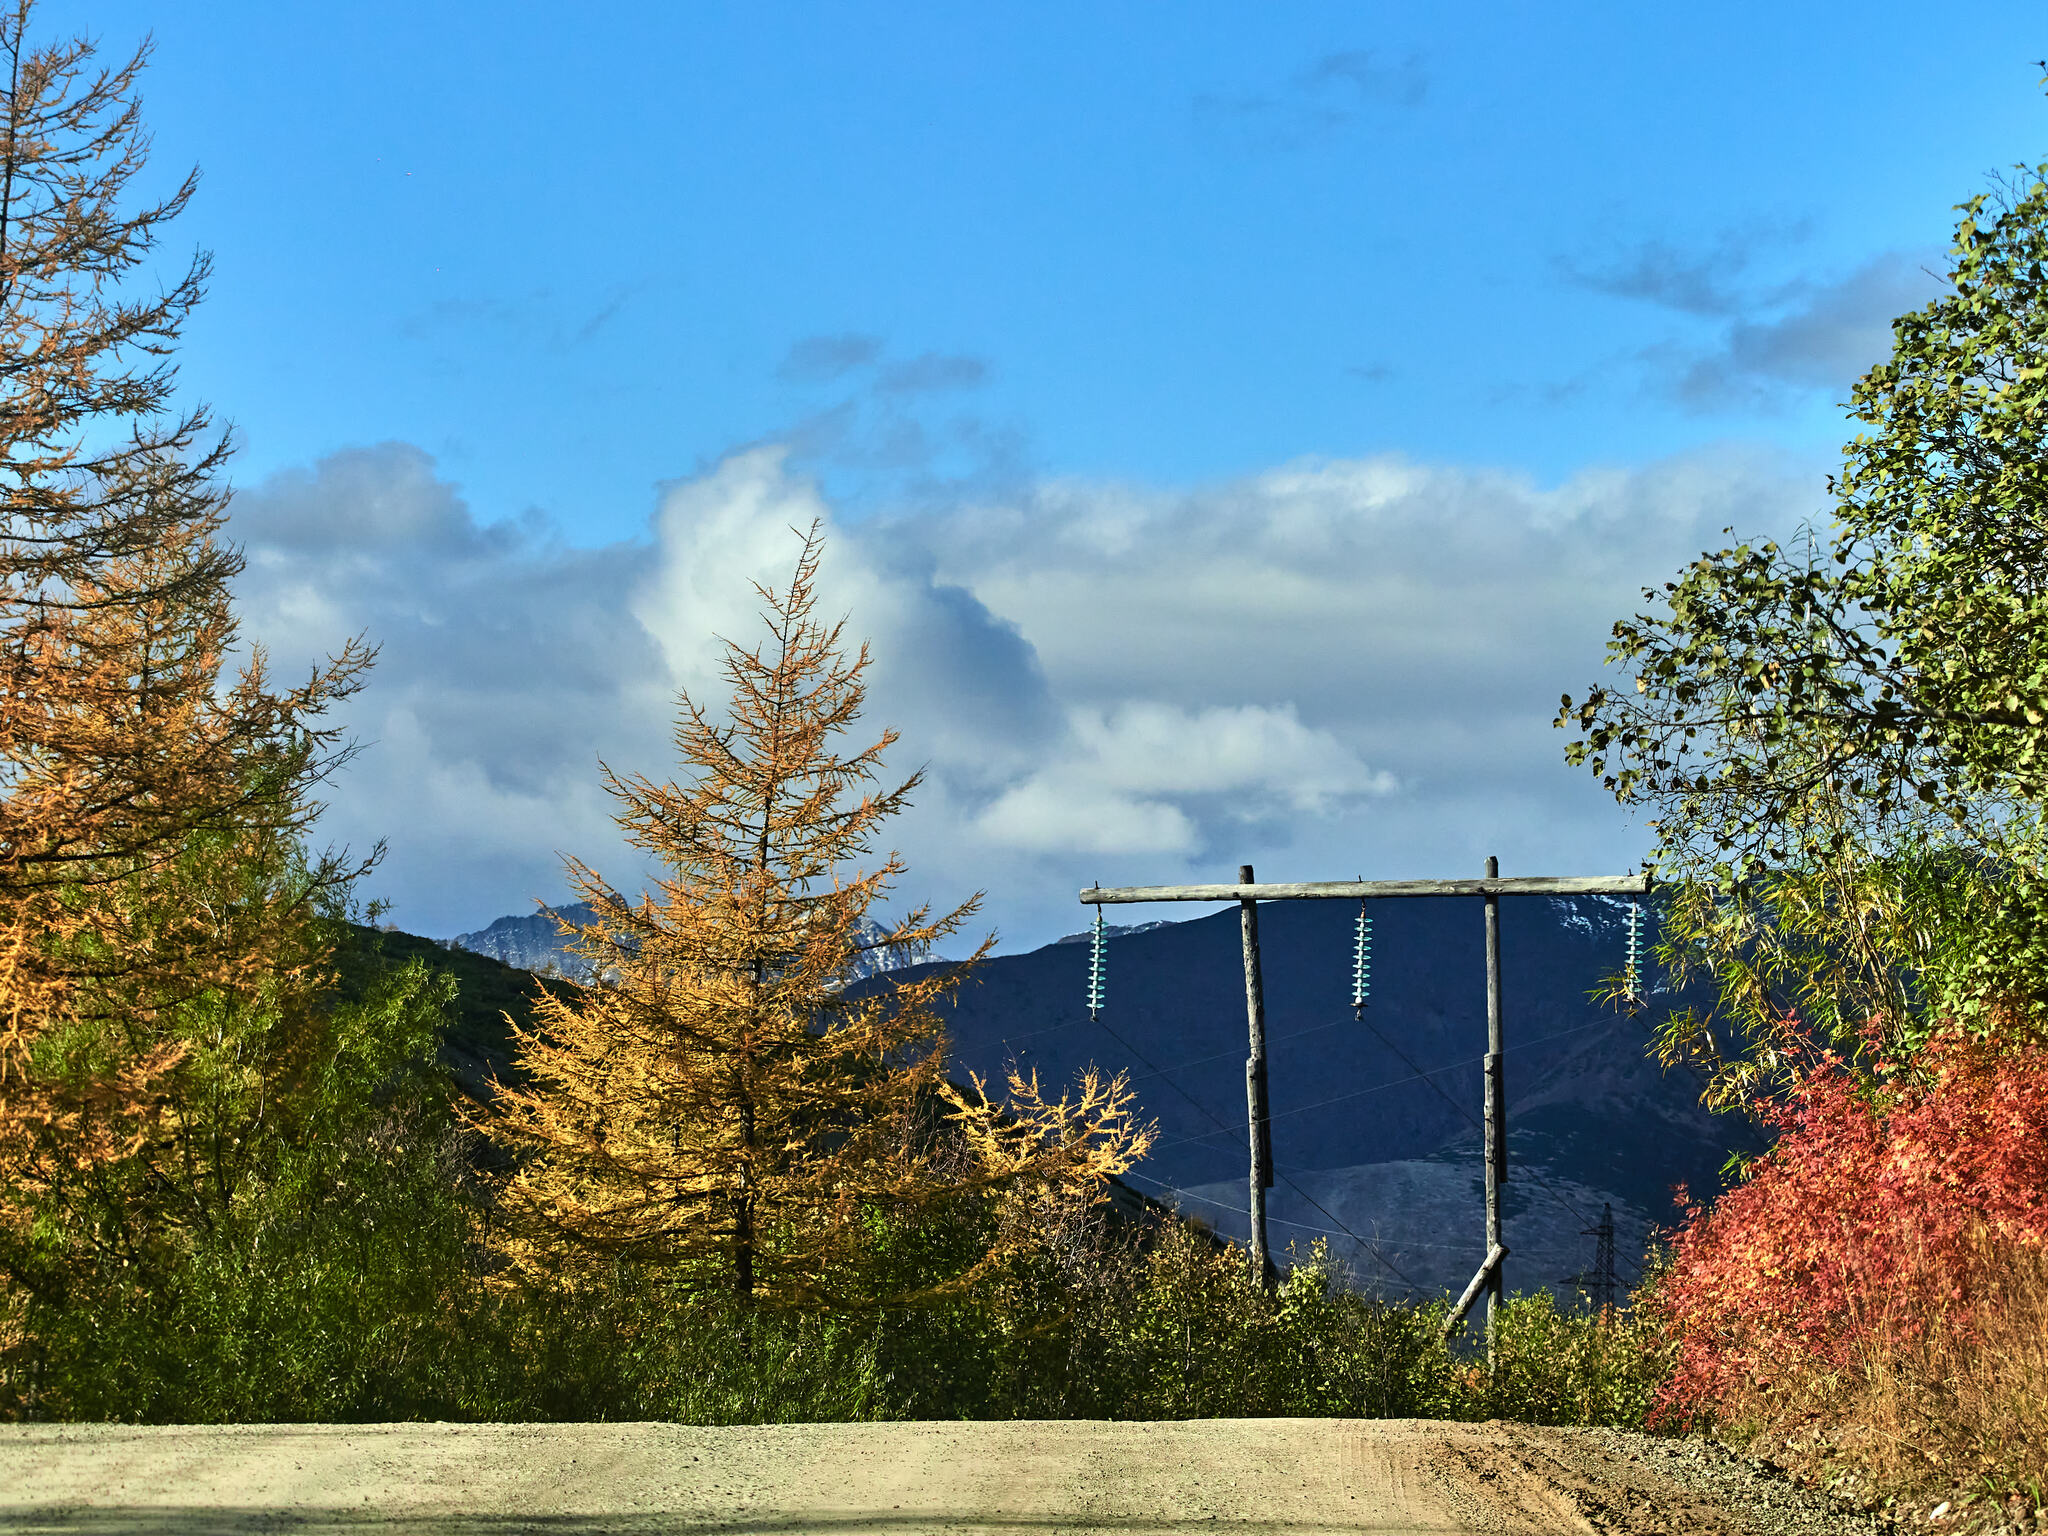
(138, 780)
(719, 1103)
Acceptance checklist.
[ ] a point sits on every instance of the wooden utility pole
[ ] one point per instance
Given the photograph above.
(1256, 1116)
(1496, 1115)
(1491, 887)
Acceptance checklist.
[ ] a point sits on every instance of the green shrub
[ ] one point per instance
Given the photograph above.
(340, 1277)
(320, 1274)
(1553, 1367)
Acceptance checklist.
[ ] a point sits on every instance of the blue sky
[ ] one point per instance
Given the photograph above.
(1025, 298)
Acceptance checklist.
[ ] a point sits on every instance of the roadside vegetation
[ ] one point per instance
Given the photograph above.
(260, 1162)
(1844, 746)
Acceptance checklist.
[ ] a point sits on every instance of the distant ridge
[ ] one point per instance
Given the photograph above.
(1111, 931)
(534, 942)
(1365, 1142)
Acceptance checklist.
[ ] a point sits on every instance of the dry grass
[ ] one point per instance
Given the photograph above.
(1944, 1398)
(1967, 1393)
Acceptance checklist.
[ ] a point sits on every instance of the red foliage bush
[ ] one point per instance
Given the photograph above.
(1864, 1231)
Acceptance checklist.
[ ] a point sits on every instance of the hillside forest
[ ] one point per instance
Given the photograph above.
(244, 1176)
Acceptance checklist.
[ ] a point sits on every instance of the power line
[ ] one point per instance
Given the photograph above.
(1183, 1141)
(1420, 1076)
(1541, 1182)
(1033, 1034)
(1301, 1226)
(1189, 1194)
(1050, 1029)
(1372, 1248)
(1203, 1061)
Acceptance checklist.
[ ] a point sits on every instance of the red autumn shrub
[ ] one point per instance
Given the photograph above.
(1862, 1233)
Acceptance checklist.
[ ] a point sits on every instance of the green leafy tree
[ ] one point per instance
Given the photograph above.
(289, 1242)
(1841, 741)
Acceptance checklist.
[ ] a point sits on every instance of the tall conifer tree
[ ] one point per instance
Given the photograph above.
(149, 805)
(719, 1105)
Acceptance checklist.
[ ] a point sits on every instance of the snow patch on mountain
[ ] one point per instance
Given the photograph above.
(535, 942)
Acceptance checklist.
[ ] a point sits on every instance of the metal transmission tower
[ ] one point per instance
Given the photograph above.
(1599, 1282)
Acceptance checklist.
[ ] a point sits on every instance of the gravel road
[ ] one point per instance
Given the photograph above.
(1297, 1476)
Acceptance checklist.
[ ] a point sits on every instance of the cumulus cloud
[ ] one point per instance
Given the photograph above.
(1394, 634)
(1136, 771)
(960, 681)
(506, 667)
(1335, 667)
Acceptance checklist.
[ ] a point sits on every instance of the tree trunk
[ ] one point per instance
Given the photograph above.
(743, 1206)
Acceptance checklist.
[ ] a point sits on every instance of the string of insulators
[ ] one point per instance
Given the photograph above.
(1098, 968)
(1635, 950)
(1361, 963)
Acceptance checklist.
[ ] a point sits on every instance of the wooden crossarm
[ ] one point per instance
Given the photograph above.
(1518, 885)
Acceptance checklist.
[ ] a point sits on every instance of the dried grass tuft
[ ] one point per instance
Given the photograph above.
(1939, 1396)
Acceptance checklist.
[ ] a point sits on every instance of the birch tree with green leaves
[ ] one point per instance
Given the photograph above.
(1841, 741)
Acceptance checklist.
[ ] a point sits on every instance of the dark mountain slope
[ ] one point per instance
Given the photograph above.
(1589, 1113)
(1362, 1143)
(478, 1044)
(491, 997)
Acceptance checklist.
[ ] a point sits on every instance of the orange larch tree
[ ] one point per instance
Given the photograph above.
(140, 783)
(719, 1104)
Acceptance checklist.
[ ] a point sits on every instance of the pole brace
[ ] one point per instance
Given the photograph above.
(1493, 1257)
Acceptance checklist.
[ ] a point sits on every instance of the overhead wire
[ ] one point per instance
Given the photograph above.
(1370, 1247)
(1436, 1088)
(1189, 1194)
(1203, 1061)
(1418, 1074)
(1359, 1093)
(1280, 1221)
(1053, 1029)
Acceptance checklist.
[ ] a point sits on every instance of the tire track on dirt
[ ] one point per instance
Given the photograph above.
(1255, 1477)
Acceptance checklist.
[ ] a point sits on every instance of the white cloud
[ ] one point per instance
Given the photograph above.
(1118, 781)
(1062, 813)
(1146, 746)
(958, 680)
(507, 667)
(1333, 668)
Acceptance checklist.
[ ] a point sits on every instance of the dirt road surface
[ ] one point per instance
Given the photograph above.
(1294, 1476)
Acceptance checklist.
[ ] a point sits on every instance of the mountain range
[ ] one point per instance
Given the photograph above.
(534, 942)
(1375, 1120)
